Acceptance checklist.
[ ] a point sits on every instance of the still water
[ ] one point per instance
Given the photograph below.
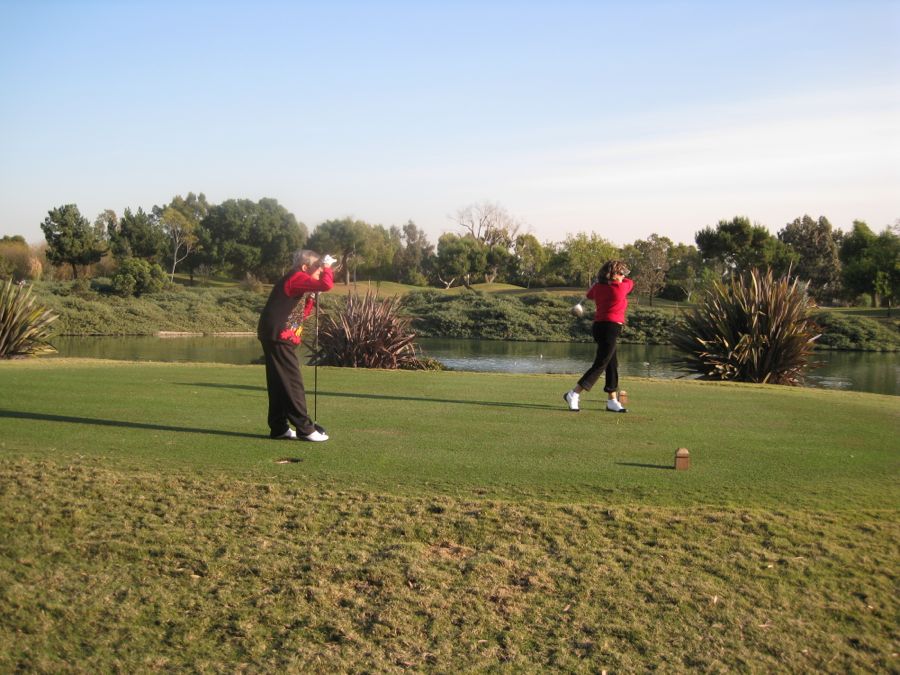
(874, 372)
(856, 371)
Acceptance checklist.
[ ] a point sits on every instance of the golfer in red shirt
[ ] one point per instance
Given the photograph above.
(610, 294)
(280, 330)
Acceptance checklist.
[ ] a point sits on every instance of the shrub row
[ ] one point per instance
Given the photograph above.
(840, 331)
(538, 316)
(89, 309)
(545, 317)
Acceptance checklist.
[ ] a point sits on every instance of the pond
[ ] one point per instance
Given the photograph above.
(877, 372)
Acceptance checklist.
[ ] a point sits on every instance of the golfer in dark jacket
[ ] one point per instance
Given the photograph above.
(280, 332)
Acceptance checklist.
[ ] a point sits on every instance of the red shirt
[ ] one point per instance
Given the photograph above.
(300, 282)
(611, 300)
(275, 322)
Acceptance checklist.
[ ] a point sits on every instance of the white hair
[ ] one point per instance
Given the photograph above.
(306, 257)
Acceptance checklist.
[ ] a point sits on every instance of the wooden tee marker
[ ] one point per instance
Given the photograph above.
(682, 459)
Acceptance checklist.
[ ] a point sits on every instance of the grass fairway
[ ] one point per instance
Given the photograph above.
(455, 522)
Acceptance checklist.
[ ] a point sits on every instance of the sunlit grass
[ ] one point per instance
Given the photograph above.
(455, 522)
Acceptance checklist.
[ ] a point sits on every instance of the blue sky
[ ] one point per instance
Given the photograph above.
(620, 118)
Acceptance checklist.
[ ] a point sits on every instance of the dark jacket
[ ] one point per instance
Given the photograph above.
(275, 322)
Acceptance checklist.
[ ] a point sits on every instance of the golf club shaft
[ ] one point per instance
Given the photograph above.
(316, 365)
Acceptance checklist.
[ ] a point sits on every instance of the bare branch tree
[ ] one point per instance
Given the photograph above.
(182, 235)
(488, 223)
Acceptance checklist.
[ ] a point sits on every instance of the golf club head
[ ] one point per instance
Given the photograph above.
(320, 428)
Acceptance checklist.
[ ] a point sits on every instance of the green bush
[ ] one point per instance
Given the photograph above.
(251, 283)
(203, 310)
(534, 316)
(24, 326)
(648, 326)
(478, 315)
(101, 285)
(137, 277)
(754, 328)
(82, 286)
(673, 291)
(16, 260)
(840, 331)
(7, 268)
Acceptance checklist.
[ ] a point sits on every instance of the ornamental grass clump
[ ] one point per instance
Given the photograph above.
(752, 328)
(366, 332)
(24, 327)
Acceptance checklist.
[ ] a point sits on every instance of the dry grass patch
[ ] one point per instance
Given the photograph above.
(104, 570)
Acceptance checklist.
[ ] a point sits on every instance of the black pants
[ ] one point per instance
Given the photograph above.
(605, 335)
(287, 397)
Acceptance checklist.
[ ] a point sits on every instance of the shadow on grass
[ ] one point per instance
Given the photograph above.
(385, 397)
(667, 467)
(215, 385)
(68, 419)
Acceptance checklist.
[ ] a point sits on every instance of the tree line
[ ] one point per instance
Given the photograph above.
(240, 239)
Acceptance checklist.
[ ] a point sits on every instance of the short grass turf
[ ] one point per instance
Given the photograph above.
(455, 521)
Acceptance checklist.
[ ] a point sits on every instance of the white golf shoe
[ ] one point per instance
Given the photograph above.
(290, 434)
(571, 398)
(612, 405)
(316, 437)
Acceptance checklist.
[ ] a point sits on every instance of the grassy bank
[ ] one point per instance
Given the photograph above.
(202, 310)
(491, 312)
(456, 521)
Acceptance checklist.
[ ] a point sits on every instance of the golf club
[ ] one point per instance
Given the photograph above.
(316, 424)
(328, 260)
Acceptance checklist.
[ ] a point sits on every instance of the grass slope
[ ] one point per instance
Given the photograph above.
(456, 521)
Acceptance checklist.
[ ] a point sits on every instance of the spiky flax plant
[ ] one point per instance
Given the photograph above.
(24, 326)
(366, 332)
(752, 328)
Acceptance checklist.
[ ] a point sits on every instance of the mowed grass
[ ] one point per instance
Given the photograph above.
(455, 521)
